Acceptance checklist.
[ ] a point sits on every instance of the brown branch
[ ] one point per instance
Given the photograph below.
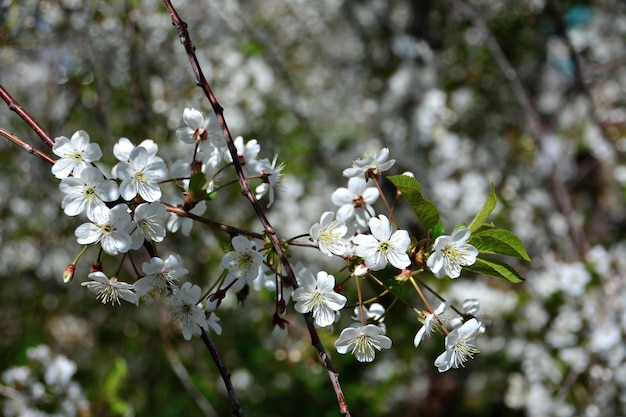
(231, 230)
(15, 106)
(202, 82)
(237, 410)
(560, 194)
(27, 147)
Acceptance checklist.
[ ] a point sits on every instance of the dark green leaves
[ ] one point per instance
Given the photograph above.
(499, 242)
(484, 212)
(495, 268)
(426, 211)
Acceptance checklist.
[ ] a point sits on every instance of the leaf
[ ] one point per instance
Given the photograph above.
(499, 242)
(485, 211)
(495, 268)
(196, 183)
(426, 211)
(437, 231)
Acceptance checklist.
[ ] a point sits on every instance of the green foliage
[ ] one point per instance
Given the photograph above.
(498, 242)
(495, 268)
(426, 211)
(485, 211)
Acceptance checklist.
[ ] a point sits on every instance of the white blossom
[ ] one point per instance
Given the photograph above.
(460, 346)
(243, 263)
(161, 277)
(185, 309)
(451, 253)
(109, 227)
(431, 321)
(149, 219)
(86, 191)
(383, 245)
(76, 154)
(317, 295)
(370, 164)
(110, 289)
(140, 176)
(272, 176)
(355, 202)
(362, 341)
(328, 234)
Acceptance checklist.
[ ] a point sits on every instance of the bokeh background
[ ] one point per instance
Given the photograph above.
(528, 95)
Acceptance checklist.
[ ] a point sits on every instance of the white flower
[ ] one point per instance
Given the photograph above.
(355, 202)
(329, 233)
(370, 165)
(149, 219)
(87, 191)
(431, 321)
(460, 346)
(212, 323)
(123, 148)
(362, 341)
(110, 227)
(272, 177)
(244, 262)
(373, 315)
(161, 277)
(451, 253)
(195, 131)
(246, 153)
(76, 154)
(140, 176)
(110, 289)
(176, 222)
(318, 296)
(59, 371)
(185, 309)
(383, 245)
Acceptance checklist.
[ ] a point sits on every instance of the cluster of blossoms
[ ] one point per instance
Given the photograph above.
(354, 232)
(45, 383)
(125, 213)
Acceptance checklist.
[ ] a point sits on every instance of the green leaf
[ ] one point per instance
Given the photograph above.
(499, 242)
(426, 211)
(495, 268)
(484, 212)
(196, 183)
(115, 378)
(437, 231)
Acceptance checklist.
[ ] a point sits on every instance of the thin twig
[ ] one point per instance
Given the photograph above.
(15, 106)
(179, 368)
(237, 410)
(27, 147)
(202, 82)
(231, 230)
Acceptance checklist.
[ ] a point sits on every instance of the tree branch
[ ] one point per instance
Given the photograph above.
(15, 106)
(27, 147)
(202, 82)
(237, 410)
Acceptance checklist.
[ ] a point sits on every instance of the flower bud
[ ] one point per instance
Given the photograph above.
(68, 274)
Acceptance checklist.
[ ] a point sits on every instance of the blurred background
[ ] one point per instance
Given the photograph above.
(528, 95)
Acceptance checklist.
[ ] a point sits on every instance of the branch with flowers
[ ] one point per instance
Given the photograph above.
(129, 209)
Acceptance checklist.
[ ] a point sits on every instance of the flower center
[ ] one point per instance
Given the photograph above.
(140, 176)
(452, 254)
(358, 201)
(89, 193)
(77, 156)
